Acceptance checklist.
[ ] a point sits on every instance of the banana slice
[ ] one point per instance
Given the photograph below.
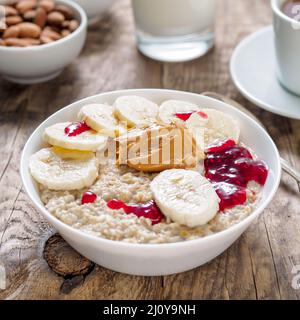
(216, 124)
(89, 140)
(196, 125)
(50, 170)
(185, 197)
(169, 109)
(100, 117)
(68, 154)
(136, 111)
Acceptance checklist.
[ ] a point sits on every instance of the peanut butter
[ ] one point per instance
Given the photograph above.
(157, 148)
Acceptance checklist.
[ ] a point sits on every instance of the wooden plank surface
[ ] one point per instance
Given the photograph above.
(257, 266)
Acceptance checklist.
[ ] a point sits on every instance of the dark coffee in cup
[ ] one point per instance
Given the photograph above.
(292, 9)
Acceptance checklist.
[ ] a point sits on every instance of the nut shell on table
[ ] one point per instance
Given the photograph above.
(63, 259)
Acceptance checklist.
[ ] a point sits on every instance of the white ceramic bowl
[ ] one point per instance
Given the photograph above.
(94, 8)
(41, 63)
(156, 259)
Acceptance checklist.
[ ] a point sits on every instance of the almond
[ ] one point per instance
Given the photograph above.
(12, 20)
(40, 17)
(29, 30)
(32, 42)
(44, 39)
(11, 32)
(48, 5)
(55, 18)
(14, 42)
(2, 43)
(65, 32)
(74, 24)
(29, 15)
(10, 11)
(49, 33)
(17, 42)
(56, 29)
(24, 6)
(53, 28)
(66, 24)
(66, 11)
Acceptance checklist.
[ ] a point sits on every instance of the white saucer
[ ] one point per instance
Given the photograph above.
(252, 69)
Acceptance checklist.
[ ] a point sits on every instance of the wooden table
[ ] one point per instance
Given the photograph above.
(257, 266)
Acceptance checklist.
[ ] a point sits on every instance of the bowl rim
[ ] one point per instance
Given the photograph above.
(83, 25)
(215, 236)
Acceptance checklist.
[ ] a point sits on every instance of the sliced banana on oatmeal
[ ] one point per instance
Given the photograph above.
(100, 117)
(185, 197)
(68, 154)
(50, 170)
(216, 125)
(136, 111)
(175, 110)
(75, 136)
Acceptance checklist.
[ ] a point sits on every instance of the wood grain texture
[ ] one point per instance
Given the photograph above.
(257, 266)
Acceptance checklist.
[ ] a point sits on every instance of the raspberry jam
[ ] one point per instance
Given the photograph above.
(76, 128)
(202, 114)
(184, 116)
(88, 197)
(149, 210)
(230, 167)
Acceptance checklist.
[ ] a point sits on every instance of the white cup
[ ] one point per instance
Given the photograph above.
(287, 46)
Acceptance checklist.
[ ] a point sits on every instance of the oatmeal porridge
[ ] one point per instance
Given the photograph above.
(213, 186)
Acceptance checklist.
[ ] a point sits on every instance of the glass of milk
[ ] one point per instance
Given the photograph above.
(174, 30)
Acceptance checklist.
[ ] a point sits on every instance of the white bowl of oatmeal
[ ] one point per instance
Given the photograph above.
(103, 215)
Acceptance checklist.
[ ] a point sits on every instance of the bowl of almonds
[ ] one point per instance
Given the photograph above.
(38, 38)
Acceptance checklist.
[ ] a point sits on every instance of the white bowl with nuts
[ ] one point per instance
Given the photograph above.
(40, 38)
